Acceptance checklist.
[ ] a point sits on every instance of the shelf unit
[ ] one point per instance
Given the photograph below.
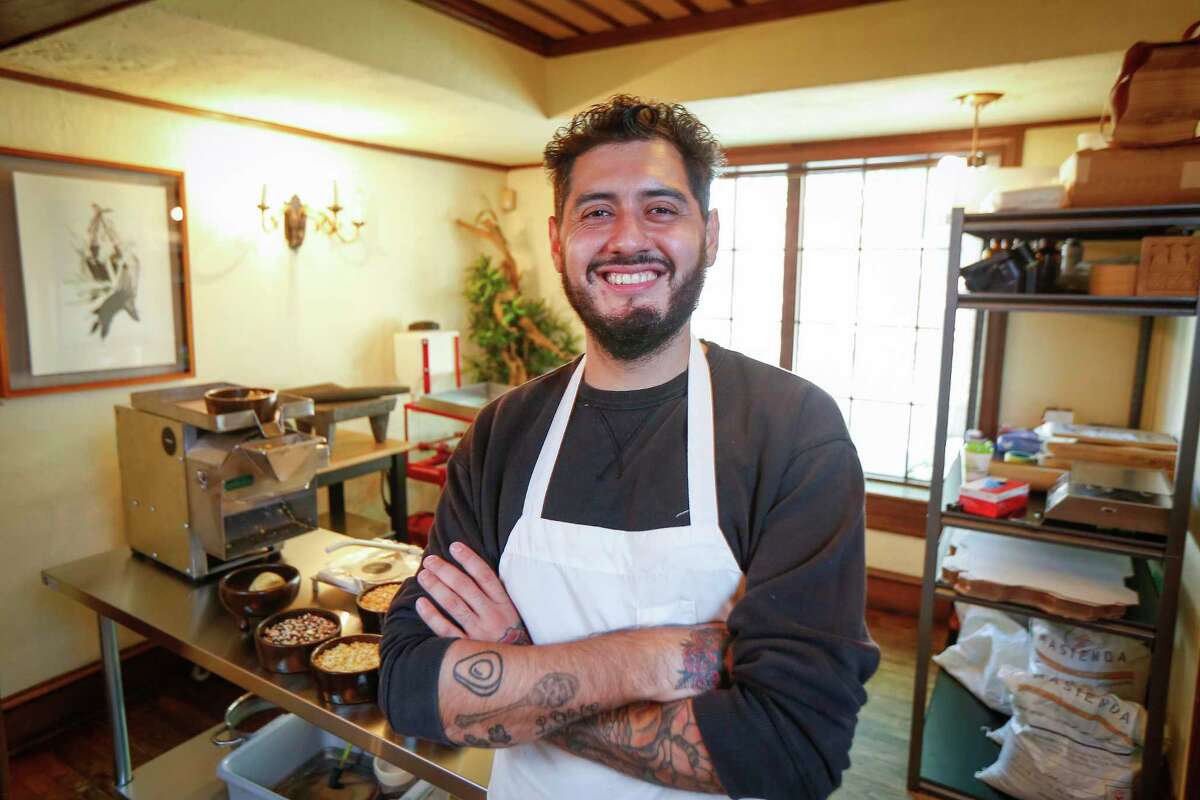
(946, 746)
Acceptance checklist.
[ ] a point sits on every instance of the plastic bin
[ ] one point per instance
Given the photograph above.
(278, 750)
(272, 754)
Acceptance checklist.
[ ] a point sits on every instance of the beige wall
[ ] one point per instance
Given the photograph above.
(263, 315)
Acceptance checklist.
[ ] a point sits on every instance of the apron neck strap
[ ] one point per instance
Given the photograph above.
(702, 481)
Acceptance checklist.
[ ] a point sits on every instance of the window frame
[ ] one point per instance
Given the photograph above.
(893, 505)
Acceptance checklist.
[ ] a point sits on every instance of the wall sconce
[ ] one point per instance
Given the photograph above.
(295, 217)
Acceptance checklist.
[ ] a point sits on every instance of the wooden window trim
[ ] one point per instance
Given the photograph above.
(1008, 141)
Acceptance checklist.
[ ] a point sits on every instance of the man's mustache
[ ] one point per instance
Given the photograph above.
(636, 260)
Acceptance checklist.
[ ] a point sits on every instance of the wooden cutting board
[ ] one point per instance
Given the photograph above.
(1040, 478)
(1108, 454)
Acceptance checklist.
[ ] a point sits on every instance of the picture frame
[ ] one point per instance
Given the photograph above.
(94, 283)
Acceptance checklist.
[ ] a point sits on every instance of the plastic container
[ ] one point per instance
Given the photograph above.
(976, 455)
(271, 755)
(393, 781)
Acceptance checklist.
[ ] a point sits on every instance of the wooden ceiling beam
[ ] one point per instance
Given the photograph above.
(690, 7)
(603, 16)
(23, 21)
(542, 11)
(699, 23)
(493, 22)
(644, 10)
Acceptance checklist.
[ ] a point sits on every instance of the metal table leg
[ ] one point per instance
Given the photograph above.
(110, 656)
(397, 480)
(337, 506)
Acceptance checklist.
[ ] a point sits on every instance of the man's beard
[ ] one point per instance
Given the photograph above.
(641, 332)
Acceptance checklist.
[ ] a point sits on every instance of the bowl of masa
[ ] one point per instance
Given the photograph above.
(258, 591)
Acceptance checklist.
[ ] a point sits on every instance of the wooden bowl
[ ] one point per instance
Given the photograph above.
(372, 621)
(346, 688)
(288, 658)
(235, 594)
(262, 402)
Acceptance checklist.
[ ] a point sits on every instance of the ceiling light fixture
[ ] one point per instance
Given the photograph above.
(977, 100)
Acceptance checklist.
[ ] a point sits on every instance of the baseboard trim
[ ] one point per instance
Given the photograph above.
(897, 593)
(42, 710)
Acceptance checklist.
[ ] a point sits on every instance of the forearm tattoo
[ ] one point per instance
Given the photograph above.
(480, 672)
(552, 691)
(517, 634)
(703, 655)
(656, 743)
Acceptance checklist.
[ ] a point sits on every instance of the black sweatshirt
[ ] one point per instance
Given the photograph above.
(790, 500)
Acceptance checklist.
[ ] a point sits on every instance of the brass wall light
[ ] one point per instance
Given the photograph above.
(977, 100)
(295, 216)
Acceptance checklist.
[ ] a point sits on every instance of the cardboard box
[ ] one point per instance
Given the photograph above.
(1144, 176)
(1170, 266)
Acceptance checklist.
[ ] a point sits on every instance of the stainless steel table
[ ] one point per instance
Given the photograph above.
(188, 619)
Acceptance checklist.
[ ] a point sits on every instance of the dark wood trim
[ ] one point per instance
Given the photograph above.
(791, 270)
(897, 593)
(690, 7)
(52, 19)
(600, 14)
(1008, 141)
(542, 11)
(994, 336)
(5, 780)
(896, 515)
(46, 708)
(493, 22)
(643, 9)
(220, 116)
(696, 23)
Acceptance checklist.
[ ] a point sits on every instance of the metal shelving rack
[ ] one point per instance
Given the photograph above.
(946, 746)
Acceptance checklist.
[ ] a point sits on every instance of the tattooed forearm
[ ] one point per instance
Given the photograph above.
(480, 672)
(517, 634)
(556, 719)
(497, 736)
(703, 653)
(655, 742)
(553, 691)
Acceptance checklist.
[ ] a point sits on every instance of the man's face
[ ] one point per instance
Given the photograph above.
(632, 245)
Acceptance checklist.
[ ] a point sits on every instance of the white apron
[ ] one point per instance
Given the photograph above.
(571, 581)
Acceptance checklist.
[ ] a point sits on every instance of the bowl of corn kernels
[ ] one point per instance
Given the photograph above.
(347, 669)
(373, 604)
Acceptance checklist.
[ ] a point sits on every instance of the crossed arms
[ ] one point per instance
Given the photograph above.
(621, 699)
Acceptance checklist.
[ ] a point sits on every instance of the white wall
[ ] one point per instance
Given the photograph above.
(263, 315)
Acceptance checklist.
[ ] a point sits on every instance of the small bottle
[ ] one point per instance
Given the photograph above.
(976, 455)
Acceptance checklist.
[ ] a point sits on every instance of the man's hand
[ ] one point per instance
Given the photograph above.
(476, 599)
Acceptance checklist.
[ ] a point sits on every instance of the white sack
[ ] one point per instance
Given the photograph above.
(1103, 661)
(1066, 742)
(987, 640)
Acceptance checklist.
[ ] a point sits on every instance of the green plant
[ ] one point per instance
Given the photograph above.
(519, 337)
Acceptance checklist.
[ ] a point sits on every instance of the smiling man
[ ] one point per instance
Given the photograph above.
(645, 577)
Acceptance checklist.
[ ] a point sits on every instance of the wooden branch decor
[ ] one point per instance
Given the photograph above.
(520, 338)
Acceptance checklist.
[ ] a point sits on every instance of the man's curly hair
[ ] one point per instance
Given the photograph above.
(625, 118)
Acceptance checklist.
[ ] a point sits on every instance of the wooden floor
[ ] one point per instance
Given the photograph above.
(78, 762)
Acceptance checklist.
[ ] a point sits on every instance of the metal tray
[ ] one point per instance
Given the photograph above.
(186, 404)
(465, 401)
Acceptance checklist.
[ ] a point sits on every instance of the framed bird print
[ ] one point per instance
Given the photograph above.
(93, 274)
